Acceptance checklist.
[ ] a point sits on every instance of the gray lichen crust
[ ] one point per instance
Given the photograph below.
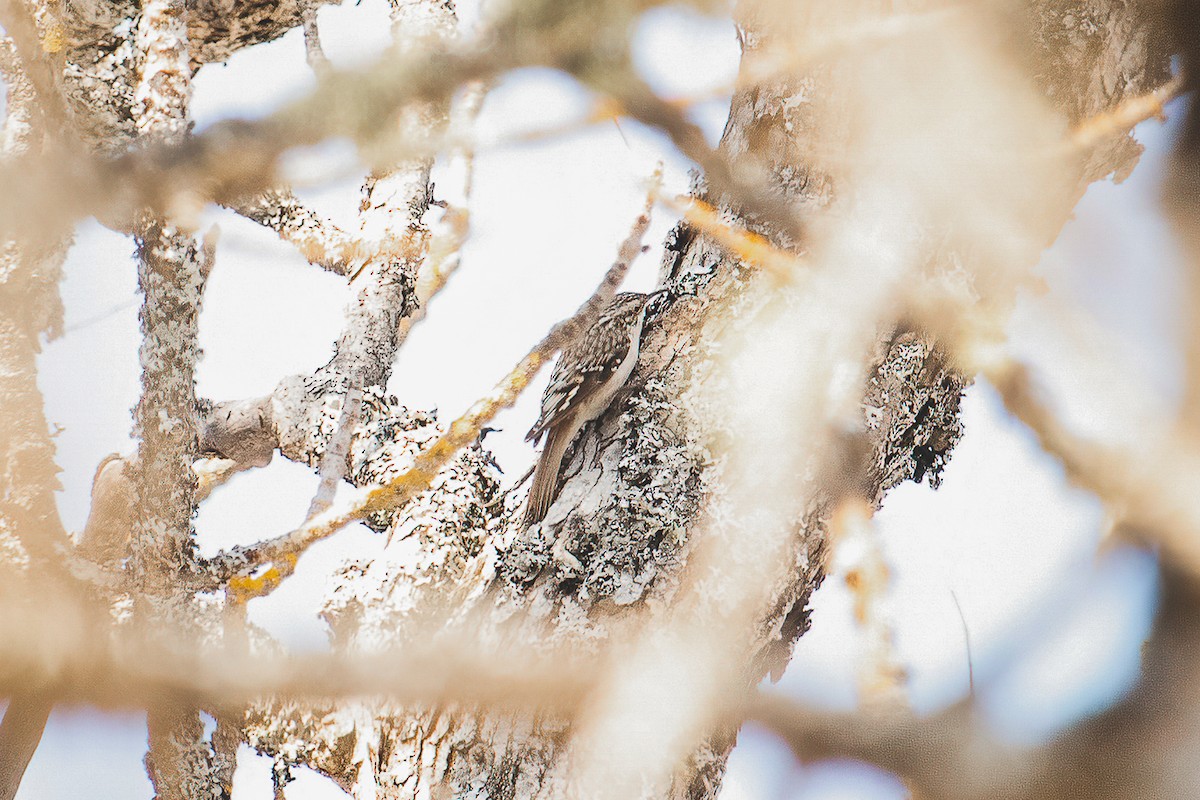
(911, 411)
(632, 517)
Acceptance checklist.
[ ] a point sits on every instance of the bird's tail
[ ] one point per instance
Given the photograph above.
(543, 487)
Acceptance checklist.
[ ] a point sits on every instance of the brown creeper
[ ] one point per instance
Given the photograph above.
(587, 376)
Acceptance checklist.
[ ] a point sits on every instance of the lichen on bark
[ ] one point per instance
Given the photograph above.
(642, 489)
(617, 539)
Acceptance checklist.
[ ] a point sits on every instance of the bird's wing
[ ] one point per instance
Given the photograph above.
(583, 367)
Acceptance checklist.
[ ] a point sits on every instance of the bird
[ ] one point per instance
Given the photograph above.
(587, 376)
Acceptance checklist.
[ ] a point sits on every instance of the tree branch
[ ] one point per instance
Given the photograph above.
(171, 276)
(1151, 490)
(462, 432)
(237, 159)
(19, 24)
(318, 240)
(20, 732)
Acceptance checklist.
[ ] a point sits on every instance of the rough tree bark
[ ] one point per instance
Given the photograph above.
(623, 549)
(616, 544)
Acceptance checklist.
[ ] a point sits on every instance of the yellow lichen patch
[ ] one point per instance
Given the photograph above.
(244, 588)
(54, 39)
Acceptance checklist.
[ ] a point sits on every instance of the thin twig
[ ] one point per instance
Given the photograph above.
(331, 471)
(745, 244)
(191, 670)
(463, 115)
(967, 640)
(445, 249)
(313, 51)
(236, 159)
(333, 464)
(734, 182)
(856, 543)
(951, 747)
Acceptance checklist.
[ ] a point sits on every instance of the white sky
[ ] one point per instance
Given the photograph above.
(1054, 627)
